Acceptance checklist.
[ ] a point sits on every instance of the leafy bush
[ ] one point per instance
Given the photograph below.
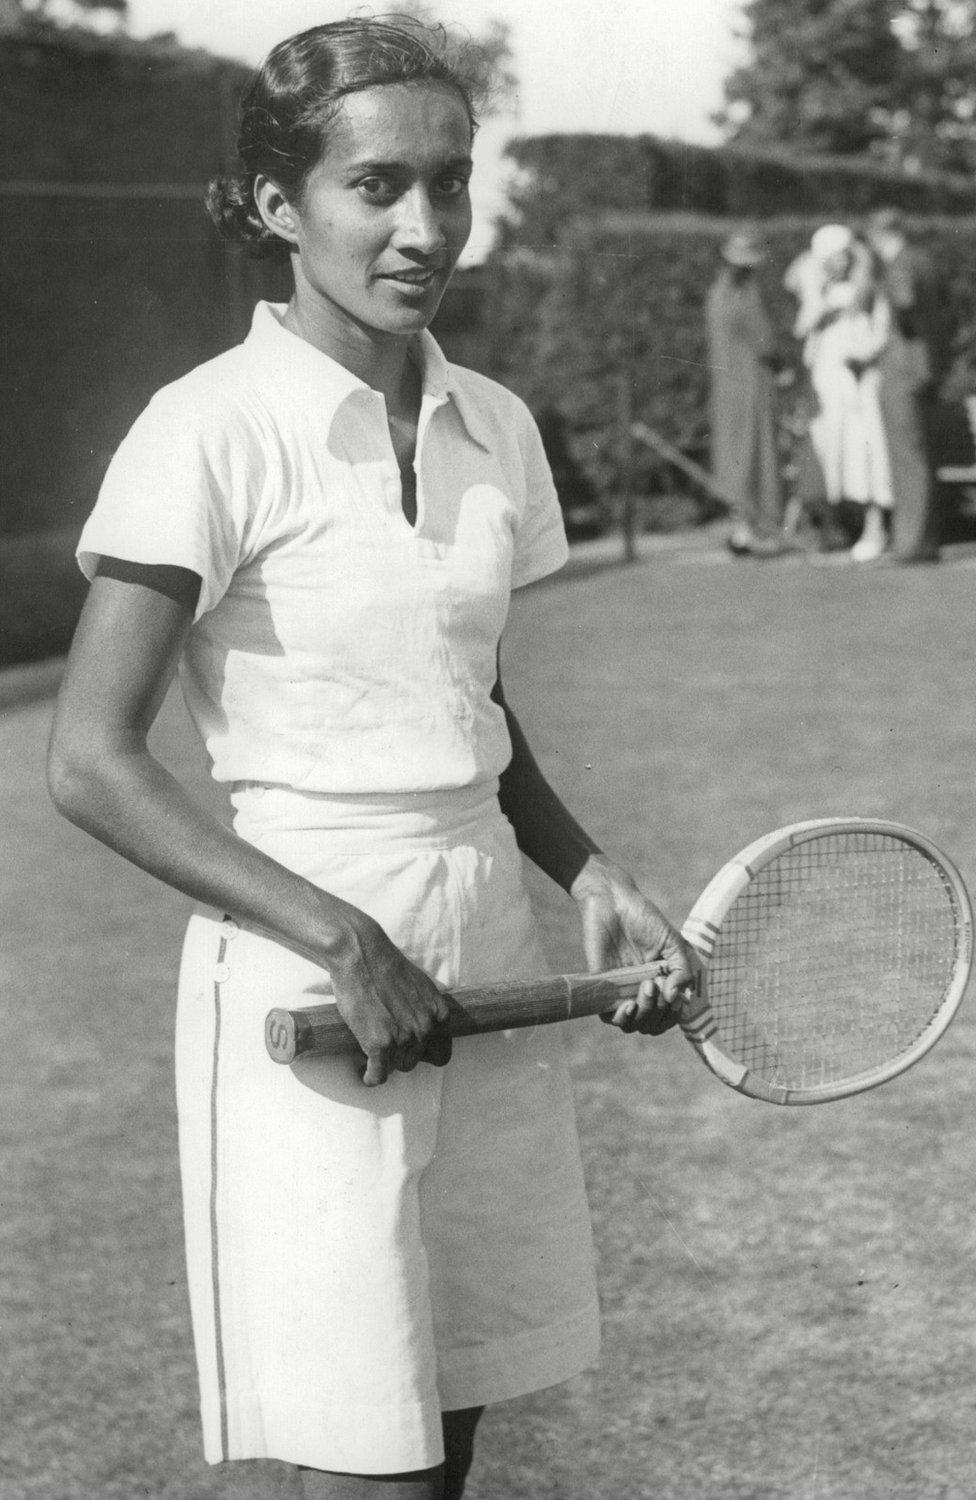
(561, 177)
(622, 299)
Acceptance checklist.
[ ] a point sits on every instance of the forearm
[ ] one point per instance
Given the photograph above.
(103, 778)
(620, 926)
(545, 830)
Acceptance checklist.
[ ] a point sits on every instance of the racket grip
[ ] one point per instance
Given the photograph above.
(290, 1034)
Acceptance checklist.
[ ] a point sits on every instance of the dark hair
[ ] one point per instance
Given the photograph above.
(292, 99)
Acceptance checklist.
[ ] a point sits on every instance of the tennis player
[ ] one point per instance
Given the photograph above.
(321, 529)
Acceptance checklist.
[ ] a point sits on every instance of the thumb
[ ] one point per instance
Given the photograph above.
(682, 981)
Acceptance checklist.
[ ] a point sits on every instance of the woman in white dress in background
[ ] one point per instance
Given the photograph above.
(844, 322)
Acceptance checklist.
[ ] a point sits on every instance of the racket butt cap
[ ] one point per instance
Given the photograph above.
(283, 1035)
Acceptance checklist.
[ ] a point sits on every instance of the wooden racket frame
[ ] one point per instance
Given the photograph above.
(290, 1034)
(704, 923)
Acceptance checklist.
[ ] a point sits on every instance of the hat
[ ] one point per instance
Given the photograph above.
(829, 240)
(743, 250)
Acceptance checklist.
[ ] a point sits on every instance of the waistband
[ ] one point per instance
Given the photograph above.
(428, 819)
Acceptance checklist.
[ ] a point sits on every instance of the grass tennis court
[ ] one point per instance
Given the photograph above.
(788, 1295)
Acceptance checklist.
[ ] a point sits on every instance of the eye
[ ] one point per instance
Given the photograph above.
(376, 189)
(451, 186)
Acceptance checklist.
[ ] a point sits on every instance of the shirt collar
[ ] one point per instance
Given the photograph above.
(440, 381)
(299, 363)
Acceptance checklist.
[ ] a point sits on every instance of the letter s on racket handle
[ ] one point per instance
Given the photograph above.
(290, 1034)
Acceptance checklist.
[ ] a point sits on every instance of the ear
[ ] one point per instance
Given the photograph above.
(275, 210)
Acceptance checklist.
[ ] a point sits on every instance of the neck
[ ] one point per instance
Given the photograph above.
(377, 359)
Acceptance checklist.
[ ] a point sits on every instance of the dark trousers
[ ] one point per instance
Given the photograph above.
(905, 411)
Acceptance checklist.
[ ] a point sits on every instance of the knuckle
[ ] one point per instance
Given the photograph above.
(419, 1031)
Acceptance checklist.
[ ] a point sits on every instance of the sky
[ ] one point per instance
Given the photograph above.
(616, 66)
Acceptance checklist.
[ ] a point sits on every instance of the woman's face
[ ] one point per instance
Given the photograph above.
(838, 265)
(386, 211)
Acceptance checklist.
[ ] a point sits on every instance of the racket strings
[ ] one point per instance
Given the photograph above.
(834, 959)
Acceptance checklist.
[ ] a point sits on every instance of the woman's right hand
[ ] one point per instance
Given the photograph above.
(104, 778)
(396, 1013)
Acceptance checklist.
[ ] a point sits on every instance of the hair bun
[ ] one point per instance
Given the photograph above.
(230, 204)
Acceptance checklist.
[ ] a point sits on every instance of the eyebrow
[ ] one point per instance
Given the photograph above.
(400, 166)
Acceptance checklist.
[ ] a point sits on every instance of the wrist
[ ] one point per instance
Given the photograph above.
(348, 934)
(333, 933)
(596, 875)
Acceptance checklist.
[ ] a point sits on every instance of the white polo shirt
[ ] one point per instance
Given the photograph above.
(336, 648)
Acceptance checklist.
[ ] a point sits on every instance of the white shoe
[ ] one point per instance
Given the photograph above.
(867, 549)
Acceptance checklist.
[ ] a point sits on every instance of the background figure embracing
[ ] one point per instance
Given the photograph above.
(844, 322)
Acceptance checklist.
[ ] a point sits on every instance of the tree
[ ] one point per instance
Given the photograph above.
(932, 118)
(93, 15)
(86, 13)
(893, 78)
(494, 44)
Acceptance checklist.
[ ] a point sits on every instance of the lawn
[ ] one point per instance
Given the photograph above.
(787, 1294)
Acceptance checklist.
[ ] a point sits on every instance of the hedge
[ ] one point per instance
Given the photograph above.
(78, 107)
(563, 176)
(112, 278)
(624, 296)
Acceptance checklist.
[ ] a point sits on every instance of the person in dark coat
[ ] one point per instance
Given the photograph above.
(742, 361)
(910, 368)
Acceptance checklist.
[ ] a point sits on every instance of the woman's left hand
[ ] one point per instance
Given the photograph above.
(621, 928)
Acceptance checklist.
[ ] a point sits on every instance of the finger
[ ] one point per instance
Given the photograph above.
(654, 1013)
(408, 1015)
(624, 1016)
(660, 1019)
(406, 1053)
(680, 984)
(376, 1070)
(439, 1046)
(679, 969)
(418, 1010)
(441, 1009)
(429, 1041)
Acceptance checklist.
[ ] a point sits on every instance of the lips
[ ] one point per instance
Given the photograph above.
(418, 277)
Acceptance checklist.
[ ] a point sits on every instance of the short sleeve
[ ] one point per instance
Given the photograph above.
(176, 492)
(540, 543)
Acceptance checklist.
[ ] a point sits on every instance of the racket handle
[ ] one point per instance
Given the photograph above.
(290, 1034)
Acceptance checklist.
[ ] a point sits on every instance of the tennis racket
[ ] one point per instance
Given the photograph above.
(835, 954)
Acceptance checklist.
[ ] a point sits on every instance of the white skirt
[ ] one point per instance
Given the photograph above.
(361, 1260)
(848, 435)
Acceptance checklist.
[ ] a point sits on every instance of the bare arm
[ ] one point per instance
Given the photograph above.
(620, 925)
(103, 778)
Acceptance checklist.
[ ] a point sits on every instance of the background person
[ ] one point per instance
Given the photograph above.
(844, 322)
(323, 527)
(911, 364)
(742, 363)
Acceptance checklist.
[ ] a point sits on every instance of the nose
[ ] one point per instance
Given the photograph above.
(420, 227)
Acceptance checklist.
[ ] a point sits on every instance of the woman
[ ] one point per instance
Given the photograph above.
(323, 526)
(742, 359)
(845, 322)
